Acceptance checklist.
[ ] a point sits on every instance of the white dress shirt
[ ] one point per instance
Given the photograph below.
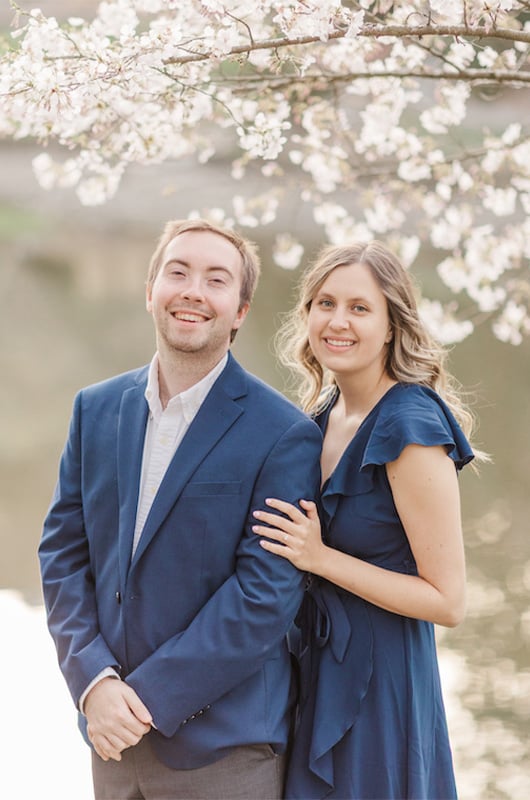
(164, 431)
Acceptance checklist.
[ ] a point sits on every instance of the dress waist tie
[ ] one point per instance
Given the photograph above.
(338, 672)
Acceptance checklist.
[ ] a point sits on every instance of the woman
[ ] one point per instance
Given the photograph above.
(390, 561)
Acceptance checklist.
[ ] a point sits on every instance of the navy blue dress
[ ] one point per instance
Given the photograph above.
(372, 723)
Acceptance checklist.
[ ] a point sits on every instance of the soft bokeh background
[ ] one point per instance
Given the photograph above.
(72, 312)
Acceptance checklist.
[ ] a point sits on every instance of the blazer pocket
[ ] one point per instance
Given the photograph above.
(210, 488)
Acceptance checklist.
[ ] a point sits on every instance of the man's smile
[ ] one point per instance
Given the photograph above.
(190, 316)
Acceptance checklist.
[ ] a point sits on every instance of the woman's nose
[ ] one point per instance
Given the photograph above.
(338, 320)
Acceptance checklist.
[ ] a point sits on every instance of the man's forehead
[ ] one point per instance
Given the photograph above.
(209, 239)
(207, 248)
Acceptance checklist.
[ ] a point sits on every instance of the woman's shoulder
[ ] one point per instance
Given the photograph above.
(404, 402)
(414, 414)
(402, 395)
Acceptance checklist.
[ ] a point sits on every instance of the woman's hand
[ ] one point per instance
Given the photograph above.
(296, 536)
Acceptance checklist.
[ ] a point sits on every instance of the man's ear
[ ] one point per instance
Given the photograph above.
(241, 314)
(148, 298)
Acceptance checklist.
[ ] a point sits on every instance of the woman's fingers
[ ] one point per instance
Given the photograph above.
(292, 511)
(295, 536)
(278, 549)
(272, 533)
(293, 514)
(274, 520)
(310, 507)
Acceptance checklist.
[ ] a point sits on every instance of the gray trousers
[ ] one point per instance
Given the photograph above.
(253, 772)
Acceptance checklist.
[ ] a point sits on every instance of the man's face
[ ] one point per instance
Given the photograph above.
(195, 298)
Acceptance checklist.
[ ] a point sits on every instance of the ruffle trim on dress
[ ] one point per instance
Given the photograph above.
(416, 415)
(345, 670)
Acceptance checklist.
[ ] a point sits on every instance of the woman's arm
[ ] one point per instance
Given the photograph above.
(425, 489)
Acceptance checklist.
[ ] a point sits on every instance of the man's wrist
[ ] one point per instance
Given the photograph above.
(108, 672)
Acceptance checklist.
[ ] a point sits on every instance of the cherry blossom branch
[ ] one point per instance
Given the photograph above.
(375, 32)
(474, 76)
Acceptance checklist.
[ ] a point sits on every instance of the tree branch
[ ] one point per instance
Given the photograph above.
(475, 76)
(373, 32)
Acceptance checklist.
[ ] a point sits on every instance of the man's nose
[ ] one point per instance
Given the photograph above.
(193, 289)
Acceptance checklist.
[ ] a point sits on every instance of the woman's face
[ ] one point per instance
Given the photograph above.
(348, 324)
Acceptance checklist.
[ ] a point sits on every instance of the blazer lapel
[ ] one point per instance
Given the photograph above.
(131, 435)
(217, 414)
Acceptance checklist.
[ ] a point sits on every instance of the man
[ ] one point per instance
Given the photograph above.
(168, 617)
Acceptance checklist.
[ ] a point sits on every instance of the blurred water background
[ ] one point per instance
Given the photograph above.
(72, 312)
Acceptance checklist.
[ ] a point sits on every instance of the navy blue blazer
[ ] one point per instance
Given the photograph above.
(196, 621)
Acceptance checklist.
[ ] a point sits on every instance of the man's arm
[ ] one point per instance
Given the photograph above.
(248, 616)
(67, 580)
(116, 717)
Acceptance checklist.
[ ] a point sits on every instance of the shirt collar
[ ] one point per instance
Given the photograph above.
(188, 401)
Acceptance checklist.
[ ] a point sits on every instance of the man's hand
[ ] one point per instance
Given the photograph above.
(116, 718)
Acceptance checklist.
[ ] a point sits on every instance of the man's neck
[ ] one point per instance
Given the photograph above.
(176, 375)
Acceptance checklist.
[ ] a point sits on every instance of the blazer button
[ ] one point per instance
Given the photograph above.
(118, 597)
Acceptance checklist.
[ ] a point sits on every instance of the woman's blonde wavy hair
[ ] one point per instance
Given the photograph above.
(413, 356)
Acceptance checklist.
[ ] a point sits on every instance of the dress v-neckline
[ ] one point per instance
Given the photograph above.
(344, 453)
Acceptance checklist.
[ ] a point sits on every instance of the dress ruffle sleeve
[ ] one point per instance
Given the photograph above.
(417, 415)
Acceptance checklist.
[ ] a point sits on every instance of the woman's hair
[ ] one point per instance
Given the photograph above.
(413, 356)
(250, 262)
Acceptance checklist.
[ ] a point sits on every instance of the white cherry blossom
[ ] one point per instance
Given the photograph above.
(512, 323)
(443, 323)
(500, 201)
(346, 102)
(287, 251)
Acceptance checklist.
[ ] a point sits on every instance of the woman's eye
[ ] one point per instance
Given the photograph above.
(358, 308)
(325, 303)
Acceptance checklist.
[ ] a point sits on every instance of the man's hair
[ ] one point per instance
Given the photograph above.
(250, 262)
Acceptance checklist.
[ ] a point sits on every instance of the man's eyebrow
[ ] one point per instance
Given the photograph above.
(211, 268)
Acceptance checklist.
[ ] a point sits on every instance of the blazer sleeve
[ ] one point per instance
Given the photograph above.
(246, 619)
(67, 580)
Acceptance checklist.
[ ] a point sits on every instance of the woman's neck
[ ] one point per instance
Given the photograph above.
(357, 399)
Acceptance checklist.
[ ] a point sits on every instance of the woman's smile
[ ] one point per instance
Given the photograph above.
(333, 342)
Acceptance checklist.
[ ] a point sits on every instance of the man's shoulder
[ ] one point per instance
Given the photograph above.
(270, 403)
(117, 383)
